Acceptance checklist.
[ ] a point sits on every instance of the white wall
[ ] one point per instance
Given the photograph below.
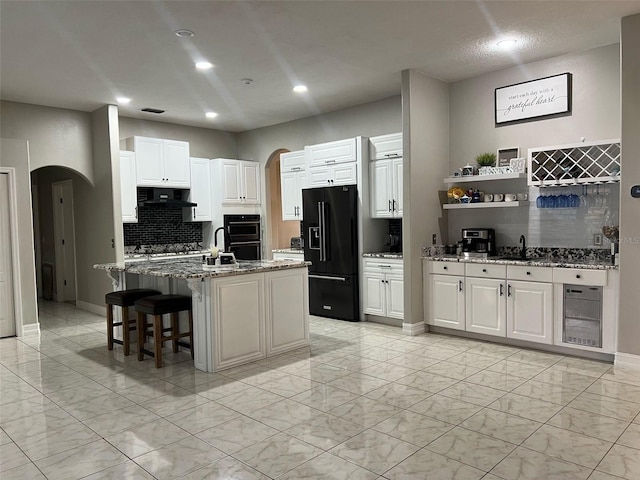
(203, 142)
(595, 116)
(629, 326)
(425, 117)
(15, 154)
(56, 136)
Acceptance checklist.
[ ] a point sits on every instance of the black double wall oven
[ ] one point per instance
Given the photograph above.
(244, 236)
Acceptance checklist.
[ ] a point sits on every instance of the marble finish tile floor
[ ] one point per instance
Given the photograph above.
(362, 402)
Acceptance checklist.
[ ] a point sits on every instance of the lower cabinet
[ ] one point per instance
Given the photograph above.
(447, 305)
(530, 311)
(383, 288)
(485, 306)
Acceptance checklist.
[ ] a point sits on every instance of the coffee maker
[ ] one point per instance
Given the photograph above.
(478, 242)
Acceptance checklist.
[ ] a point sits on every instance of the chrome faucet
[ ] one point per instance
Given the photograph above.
(523, 250)
(227, 237)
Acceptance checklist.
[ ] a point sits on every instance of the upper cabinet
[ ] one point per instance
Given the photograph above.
(385, 146)
(385, 176)
(238, 181)
(129, 198)
(161, 163)
(341, 151)
(200, 191)
(292, 180)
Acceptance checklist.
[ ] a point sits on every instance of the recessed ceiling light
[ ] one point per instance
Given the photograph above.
(204, 65)
(211, 114)
(300, 88)
(507, 43)
(184, 33)
(123, 100)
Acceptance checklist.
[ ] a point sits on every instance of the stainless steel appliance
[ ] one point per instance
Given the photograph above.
(330, 229)
(478, 242)
(582, 319)
(296, 243)
(243, 236)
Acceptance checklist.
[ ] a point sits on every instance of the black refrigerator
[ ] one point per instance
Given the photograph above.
(330, 230)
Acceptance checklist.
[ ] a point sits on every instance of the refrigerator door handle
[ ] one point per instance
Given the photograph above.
(323, 233)
(325, 277)
(320, 231)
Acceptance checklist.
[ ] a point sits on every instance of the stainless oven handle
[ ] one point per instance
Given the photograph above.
(324, 277)
(244, 243)
(243, 223)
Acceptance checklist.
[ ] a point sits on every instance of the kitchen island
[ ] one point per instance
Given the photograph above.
(241, 313)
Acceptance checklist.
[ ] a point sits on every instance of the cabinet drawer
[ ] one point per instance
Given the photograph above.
(446, 268)
(529, 274)
(383, 265)
(386, 146)
(580, 276)
(484, 270)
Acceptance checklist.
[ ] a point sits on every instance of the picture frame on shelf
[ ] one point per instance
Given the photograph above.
(533, 100)
(504, 156)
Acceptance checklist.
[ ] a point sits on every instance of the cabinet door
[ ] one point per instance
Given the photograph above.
(149, 161)
(318, 177)
(287, 322)
(300, 185)
(386, 146)
(289, 195)
(530, 311)
(486, 306)
(395, 296)
(250, 183)
(344, 174)
(201, 190)
(447, 301)
(177, 171)
(238, 325)
(333, 152)
(128, 193)
(231, 188)
(380, 174)
(374, 293)
(292, 161)
(396, 188)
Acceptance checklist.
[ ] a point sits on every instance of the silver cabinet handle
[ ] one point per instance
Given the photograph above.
(459, 285)
(502, 289)
(389, 205)
(394, 205)
(508, 290)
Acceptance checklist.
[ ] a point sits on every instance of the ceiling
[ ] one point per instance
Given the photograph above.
(83, 54)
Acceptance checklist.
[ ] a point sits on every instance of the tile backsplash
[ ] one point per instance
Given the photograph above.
(543, 227)
(158, 225)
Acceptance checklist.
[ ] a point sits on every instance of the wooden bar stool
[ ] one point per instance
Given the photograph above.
(158, 305)
(124, 299)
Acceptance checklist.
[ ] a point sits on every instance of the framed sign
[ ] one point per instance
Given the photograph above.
(533, 99)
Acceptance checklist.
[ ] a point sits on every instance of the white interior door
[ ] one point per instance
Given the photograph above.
(64, 237)
(7, 311)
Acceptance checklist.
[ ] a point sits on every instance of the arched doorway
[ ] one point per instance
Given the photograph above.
(279, 232)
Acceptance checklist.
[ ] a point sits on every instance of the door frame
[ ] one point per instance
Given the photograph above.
(15, 247)
(57, 235)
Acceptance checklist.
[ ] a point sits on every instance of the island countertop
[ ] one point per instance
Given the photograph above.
(193, 267)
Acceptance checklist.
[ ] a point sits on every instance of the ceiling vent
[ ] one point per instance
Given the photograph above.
(152, 110)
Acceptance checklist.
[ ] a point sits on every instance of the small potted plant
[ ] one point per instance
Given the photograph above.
(486, 161)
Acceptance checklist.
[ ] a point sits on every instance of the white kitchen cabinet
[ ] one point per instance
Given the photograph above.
(128, 192)
(530, 311)
(330, 175)
(341, 151)
(385, 178)
(447, 301)
(383, 285)
(200, 192)
(299, 257)
(485, 306)
(160, 162)
(238, 181)
(385, 146)
(238, 324)
(286, 291)
(293, 179)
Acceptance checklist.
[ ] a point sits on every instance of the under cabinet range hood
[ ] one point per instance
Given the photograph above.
(167, 197)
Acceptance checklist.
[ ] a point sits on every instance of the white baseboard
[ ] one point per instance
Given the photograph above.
(413, 329)
(627, 360)
(91, 307)
(30, 329)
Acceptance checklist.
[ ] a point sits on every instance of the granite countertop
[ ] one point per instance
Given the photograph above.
(190, 253)
(299, 251)
(533, 262)
(190, 267)
(390, 255)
